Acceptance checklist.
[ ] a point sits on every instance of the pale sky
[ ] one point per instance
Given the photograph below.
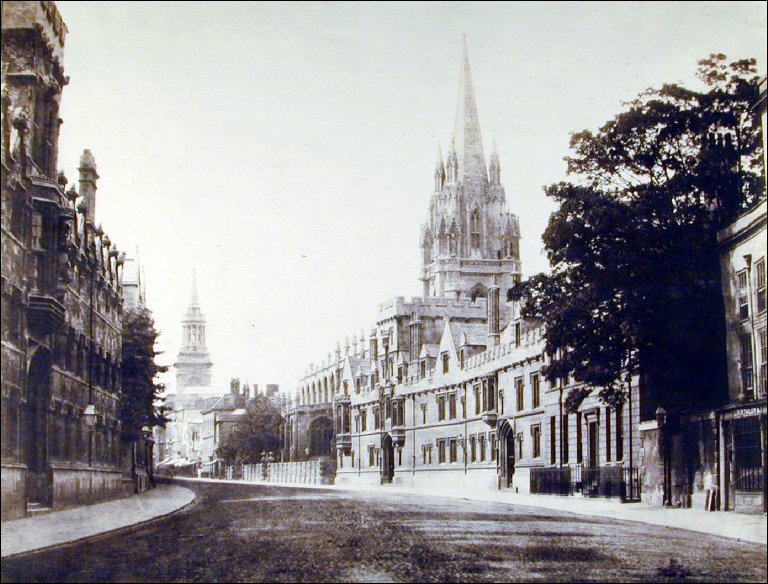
(287, 149)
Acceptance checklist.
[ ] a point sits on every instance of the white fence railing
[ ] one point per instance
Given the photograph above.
(309, 472)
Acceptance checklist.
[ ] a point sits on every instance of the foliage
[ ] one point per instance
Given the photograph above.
(255, 432)
(140, 392)
(635, 286)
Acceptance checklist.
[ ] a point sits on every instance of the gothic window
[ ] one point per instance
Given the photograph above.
(474, 230)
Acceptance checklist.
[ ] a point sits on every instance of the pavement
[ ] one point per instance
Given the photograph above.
(30, 534)
(21, 536)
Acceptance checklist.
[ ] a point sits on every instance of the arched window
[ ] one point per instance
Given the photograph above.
(321, 437)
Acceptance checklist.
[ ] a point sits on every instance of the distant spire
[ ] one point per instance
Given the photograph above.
(466, 135)
(195, 300)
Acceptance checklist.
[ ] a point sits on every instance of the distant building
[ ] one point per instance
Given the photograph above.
(181, 442)
(62, 294)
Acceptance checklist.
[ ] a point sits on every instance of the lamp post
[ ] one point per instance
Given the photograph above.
(661, 419)
(146, 432)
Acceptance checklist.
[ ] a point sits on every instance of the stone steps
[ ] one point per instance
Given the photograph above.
(35, 509)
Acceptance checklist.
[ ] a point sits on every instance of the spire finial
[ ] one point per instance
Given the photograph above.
(195, 300)
(467, 141)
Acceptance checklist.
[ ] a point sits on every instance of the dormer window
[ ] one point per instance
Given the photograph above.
(446, 362)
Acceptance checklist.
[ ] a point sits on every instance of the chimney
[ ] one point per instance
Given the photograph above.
(246, 392)
(88, 177)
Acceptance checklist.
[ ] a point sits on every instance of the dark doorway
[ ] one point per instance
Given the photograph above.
(508, 456)
(593, 445)
(36, 428)
(387, 460)
(321, 437)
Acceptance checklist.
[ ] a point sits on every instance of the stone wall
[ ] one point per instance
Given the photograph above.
(82, 485)
(14, 504)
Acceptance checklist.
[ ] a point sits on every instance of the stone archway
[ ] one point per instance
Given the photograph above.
(35, 429)
(506, 454)
(321, 436)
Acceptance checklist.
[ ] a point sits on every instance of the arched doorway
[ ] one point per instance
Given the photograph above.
(507, 454)
(321, 437)
(387, 460)
(36, 427)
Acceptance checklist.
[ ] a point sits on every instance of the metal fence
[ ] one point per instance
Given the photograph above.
(601, 481)
(551, 481)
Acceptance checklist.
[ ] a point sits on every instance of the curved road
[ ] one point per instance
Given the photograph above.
(237, 533)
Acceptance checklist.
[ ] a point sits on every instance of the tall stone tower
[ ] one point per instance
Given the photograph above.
(470, 242)
(193, 365)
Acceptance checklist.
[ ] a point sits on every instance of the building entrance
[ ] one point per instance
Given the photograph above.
(507, 455)
(387, 460)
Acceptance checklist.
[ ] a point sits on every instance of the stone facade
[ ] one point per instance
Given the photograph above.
(61, 290)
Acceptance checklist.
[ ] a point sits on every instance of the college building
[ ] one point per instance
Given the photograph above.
(447, 390)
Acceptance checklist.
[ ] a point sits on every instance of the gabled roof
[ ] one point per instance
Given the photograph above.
(429, 350)
(468, 334)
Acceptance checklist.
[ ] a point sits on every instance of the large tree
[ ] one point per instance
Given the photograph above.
(139, 398)
(635, 281)
(255, 432)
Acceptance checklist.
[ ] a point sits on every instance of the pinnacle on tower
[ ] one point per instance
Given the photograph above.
(466, 135)
(195, 301)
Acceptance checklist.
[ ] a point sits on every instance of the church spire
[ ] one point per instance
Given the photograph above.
(466, 134)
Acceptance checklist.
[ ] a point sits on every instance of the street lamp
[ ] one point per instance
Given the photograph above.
(89, 416)
(661, 420)
(89, 419)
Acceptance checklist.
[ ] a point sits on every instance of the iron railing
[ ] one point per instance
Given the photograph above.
(602, 481)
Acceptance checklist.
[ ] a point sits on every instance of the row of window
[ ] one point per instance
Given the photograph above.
(743, 293)
(751, 389)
